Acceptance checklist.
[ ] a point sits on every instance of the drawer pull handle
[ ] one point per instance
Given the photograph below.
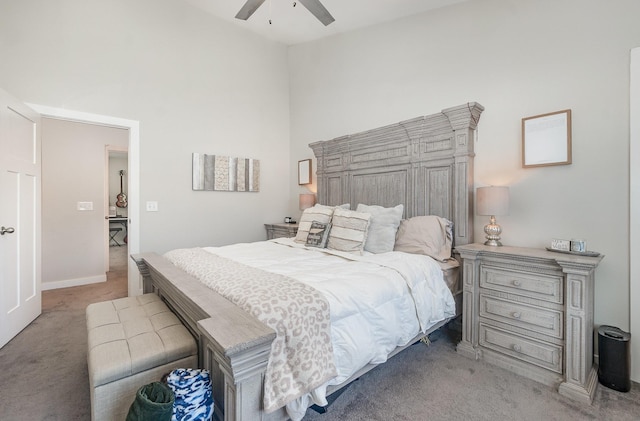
(517, 283)
(516, 315)
(516, 348)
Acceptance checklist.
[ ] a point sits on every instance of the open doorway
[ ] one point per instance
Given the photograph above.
(133, 209)
(116, 210)
(74, 201)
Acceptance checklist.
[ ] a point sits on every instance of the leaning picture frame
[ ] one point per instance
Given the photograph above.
(304, 172)
(546, 139)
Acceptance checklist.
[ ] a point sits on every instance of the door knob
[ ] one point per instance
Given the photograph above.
(4, 230)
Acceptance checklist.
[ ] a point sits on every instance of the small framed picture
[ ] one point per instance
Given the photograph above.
(546, 139)
(304, 172)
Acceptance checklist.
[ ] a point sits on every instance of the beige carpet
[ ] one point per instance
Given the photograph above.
(44, 376)
(435, 383)
(44, 368)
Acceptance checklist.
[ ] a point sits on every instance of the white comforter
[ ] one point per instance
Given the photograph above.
(377, 302)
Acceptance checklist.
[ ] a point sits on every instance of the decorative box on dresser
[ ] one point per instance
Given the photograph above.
(531, 311)
(281, 230)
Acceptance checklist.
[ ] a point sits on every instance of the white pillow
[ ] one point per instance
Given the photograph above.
(383, 227)
(319, 213)
(348, 230)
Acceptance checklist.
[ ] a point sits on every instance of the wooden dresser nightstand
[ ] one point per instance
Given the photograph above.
(531, 311)
(281, 230)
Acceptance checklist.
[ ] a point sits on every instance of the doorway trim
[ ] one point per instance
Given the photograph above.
(133, 278)
(634, 212)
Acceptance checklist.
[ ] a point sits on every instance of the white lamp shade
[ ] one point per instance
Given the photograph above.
(307, 200)
(492, 200)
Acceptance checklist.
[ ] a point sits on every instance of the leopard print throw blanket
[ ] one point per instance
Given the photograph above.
(301, 356)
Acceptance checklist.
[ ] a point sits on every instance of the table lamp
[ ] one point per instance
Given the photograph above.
(307, 200)
(492, 201)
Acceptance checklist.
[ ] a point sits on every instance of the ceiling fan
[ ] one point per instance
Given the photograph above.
(314, 6)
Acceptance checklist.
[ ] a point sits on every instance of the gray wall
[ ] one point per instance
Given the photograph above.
(195, 84)
(518, 59)
(198, 84)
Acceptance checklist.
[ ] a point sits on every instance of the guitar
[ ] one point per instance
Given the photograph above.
(121, 198)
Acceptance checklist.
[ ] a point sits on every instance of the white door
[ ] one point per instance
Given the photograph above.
(20, 169)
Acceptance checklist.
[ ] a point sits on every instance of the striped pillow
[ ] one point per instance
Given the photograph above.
(348, 230)
(319, 213)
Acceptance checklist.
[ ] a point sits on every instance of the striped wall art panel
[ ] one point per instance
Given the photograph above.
(224, 173)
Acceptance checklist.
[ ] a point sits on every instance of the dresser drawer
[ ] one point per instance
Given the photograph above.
(535, 285)
(529, 350)
(540, 320)
(530, 311)
(281, 232)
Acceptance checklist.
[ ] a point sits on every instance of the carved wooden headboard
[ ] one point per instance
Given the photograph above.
(425, 163)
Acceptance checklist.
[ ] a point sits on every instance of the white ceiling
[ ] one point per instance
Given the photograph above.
(292, 25)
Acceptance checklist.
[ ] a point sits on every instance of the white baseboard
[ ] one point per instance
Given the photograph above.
(73, 282)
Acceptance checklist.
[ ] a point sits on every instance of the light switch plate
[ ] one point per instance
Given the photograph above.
(85, 206)
(152, 206)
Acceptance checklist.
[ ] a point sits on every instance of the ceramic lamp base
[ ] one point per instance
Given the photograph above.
(493, 232)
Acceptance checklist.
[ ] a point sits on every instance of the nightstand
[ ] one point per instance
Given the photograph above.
(530, 311)
(281, 230)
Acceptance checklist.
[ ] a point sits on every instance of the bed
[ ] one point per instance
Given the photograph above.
(424, 165)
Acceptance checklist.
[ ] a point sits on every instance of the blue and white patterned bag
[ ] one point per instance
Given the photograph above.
(192, 389)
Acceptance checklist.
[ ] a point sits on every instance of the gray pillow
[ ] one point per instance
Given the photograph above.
(383, 227)
(318, 234)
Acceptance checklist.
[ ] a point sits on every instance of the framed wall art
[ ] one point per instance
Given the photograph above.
(546, 139)
(225, 173)
(304, 172)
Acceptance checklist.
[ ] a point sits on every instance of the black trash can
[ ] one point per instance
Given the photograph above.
(615, 360)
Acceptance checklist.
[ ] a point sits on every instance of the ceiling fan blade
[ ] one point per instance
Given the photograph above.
(248, 9)
(318, 10)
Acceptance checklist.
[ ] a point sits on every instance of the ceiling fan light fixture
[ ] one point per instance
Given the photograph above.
(314, 6)
(248, 9)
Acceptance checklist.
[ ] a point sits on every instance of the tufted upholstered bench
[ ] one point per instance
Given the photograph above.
(132, 341)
